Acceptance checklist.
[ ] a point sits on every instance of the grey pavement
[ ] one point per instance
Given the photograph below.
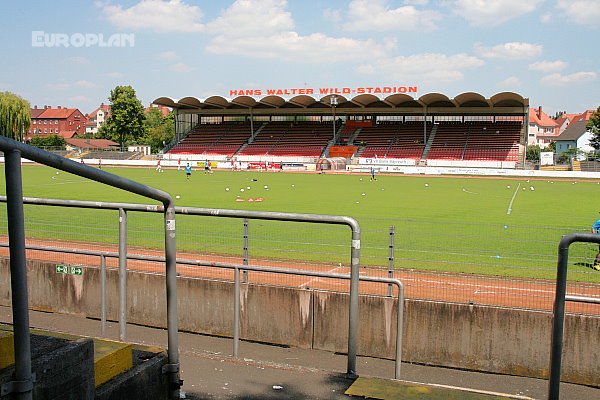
(265, 371)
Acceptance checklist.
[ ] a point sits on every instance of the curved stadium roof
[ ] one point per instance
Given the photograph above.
(507, 103)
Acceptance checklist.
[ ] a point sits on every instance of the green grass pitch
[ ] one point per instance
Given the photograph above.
(498, 226)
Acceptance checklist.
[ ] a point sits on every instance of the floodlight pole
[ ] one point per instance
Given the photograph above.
(334, 102)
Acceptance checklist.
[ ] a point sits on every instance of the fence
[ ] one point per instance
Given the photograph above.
(13, 151)
(195, 213)
(469, 262)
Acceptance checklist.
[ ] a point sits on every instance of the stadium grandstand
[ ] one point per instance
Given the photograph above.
(435, 130)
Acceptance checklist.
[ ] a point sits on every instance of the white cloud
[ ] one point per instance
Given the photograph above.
(567, 80)
(156, 15)
(168, 55)
(79, 60)
(252, 18)
(510, 50)
(490, 13)
(263, 29)
(546, 18)
(79, 99)
(332, 15)
(509, 83)
(180, 67)
(82, 84)
(425, 68)
(375, 15)
(548, 66)
(85, 84)
(58, 86)
(290, 46)
(113, 74)
(584, 12)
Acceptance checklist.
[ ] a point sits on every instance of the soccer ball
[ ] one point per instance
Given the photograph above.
(227, 189)
(177, 197)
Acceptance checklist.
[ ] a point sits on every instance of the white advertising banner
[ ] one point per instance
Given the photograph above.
(546, 158)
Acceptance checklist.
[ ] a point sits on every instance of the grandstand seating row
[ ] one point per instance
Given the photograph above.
(445, 140)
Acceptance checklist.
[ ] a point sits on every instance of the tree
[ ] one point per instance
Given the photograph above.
(159, 130)
(126, 122)
(594, 126)
(48, 141)
(533, 153)
(15, 116)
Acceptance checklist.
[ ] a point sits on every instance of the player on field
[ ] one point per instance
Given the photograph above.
(596, 230)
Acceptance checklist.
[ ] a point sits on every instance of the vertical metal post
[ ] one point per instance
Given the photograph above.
(122, 275)
(353, 317)
(18, 273)
(246, 255)
(559, 319)
(103, 294)
(391, 260)
(399, 330)
(236, 312)
(172, 369)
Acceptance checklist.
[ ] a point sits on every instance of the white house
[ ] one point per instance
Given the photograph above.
(577, 135)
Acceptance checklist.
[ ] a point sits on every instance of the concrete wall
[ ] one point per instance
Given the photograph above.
(436, 333)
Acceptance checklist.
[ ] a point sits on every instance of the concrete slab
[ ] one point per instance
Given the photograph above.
(387, 389)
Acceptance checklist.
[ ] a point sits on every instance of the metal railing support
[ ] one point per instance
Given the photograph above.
(391, 259)
(8, 146)
(237, 286)
(103, 294)
(122, 275)
(23, 384)
(246, 246)
(556, 347)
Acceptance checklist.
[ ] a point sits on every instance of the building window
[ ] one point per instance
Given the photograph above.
(50, 130)
(56, 130)
(45, 130)
(34, 121)
(45, 122)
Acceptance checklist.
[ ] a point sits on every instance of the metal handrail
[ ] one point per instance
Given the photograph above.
(560, 297)
(242, 214)
(13, 153)
(237, 268)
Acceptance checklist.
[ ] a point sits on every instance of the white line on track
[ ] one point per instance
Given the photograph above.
(317, 279)
(513, 199)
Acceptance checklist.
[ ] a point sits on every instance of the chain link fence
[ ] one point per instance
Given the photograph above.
(468, 262)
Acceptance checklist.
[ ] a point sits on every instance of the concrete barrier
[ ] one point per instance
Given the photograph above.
(482, 338)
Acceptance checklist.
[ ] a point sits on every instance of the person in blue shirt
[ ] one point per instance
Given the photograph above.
(373, 174)
(188, 171)
(596, 230)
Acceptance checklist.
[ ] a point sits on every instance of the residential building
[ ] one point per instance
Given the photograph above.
(164, 111)
(542, 129)
(65, 122)
(97, 117)
(577, 135)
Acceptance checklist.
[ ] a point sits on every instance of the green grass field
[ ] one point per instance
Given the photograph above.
(441, 223)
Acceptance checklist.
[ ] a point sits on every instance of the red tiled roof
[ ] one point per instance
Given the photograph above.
(103, 107)
(58, 113)
(92, 143)
(541, 118)
(164, 111)
(67, 134)
(35, 112)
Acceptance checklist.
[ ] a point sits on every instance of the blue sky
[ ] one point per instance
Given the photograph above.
(545, 50)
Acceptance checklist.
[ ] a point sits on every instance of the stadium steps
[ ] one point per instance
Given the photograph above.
(117, 367)
(353, 136)
(576, 165)
(429, 142)
(389, 389)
